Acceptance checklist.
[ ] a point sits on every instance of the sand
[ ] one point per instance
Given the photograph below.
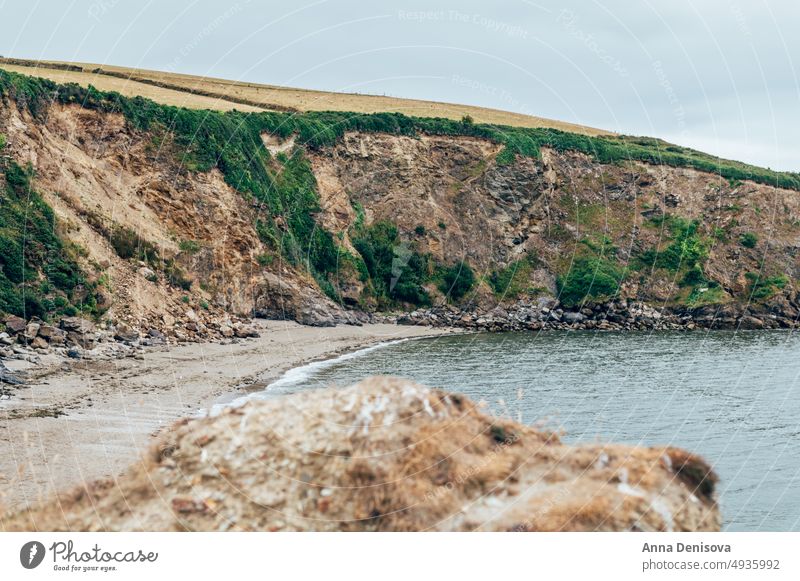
(83, 420)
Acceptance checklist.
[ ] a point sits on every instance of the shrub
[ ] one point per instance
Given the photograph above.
(687, 249)
(457, 280)
(589, 278)
(419, 230)
(513, 280)
(396, 271)
(748, 240)
(189, 246)
(129, 245)
(762, 287)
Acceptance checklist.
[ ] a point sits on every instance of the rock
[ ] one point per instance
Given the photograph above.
(316, 317)
(192, 316)
(52, 335)
(79, 339)
(244, 331)
(750, 322)
(387, 454)
(226, 331)
(31, 330)
(75, 353)
(39, 343)
(77, 325)
(573, 318)
(8, 377)
(125, 334)
(156, 337)
(14, 325)
(147, 273)
(6, 339)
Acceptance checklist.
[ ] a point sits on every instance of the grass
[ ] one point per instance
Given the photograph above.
(687, 250)
(219, 94)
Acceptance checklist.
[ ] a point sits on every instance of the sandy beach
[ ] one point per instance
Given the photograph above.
(78, 421)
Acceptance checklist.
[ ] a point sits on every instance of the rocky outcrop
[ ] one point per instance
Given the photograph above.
(386, 455)
(451, 200)
(620, 315)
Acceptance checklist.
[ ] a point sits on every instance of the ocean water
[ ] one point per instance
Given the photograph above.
(734, 398)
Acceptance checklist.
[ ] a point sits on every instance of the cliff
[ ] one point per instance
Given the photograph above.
(178, 222)
(386, 455)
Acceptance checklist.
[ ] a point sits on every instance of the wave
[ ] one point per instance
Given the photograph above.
(297, 376)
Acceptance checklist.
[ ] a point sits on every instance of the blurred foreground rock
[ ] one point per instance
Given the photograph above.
(386, 454)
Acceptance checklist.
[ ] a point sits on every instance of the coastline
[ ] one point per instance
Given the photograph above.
(86, 420)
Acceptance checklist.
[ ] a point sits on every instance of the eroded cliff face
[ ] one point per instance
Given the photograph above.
(386, 455)
(106, 180)
(450, 200)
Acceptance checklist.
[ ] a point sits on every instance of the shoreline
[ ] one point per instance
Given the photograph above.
(76, 422)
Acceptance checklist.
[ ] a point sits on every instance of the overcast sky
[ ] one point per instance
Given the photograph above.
(712, 74)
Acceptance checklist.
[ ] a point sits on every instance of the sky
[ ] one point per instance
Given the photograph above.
(716, 75)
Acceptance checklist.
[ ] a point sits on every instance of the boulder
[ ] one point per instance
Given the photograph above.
(79, 339)
(386, 454)
(125, 334)
(156, 337)
(77, 325)
(244, 331)
(14, 325)
(75, 352)
(31, 331)
(573, 318)
(52, 335)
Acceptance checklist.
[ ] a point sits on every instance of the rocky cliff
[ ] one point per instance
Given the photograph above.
(386, 455)
(182, 222)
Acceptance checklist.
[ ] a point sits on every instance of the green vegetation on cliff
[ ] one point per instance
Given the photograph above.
(39, 275)
(395, 269)
(284, 193)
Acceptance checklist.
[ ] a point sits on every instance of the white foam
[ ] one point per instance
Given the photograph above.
(296, 376)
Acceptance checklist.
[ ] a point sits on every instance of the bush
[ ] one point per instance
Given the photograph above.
(129, 245)
(590, 278)
(762, 287)
(39, 275)
(189, 246)
(513, 280)
(748, 240)
(687, 249)
(396, 271)
(457, 280)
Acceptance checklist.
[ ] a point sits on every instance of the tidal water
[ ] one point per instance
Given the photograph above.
(734, 398)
